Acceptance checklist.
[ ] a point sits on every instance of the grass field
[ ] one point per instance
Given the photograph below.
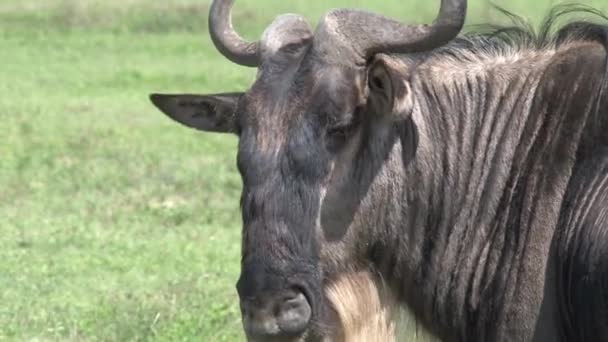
(117, 224)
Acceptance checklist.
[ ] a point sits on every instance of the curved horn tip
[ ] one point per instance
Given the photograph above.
(228, 42)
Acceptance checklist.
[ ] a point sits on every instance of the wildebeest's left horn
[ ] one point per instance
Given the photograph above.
(227, 40)
(371, 33)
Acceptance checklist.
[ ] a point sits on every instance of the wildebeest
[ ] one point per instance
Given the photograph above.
(387, 165)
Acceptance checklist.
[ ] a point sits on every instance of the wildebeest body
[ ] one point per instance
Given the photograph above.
(467, 182)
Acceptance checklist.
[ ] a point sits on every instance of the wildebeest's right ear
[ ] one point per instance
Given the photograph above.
(210, 113)
(390, 94)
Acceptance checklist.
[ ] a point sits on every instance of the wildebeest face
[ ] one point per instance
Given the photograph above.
(284, 165)
(306, 115)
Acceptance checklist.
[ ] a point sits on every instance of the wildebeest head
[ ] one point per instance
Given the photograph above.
(318, 100)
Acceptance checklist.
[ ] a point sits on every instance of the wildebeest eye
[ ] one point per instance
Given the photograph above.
(292, 48)
(339, 133)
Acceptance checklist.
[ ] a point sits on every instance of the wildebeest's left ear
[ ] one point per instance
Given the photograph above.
(389, 90)
(211, 113)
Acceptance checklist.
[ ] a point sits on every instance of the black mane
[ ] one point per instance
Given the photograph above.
(519, 33)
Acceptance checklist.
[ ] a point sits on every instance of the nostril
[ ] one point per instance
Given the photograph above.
(294, 314)
(276, 317)
(260, 324)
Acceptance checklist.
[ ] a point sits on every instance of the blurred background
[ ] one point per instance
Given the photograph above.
(116, 223)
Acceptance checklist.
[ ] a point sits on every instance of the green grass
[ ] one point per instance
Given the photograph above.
(118, 224)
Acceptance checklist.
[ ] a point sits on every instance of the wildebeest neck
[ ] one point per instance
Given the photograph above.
(477, 131)
(482, 125)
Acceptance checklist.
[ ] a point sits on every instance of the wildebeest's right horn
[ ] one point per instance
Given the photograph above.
(225, 38)
(395, 37)
(368, 34)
